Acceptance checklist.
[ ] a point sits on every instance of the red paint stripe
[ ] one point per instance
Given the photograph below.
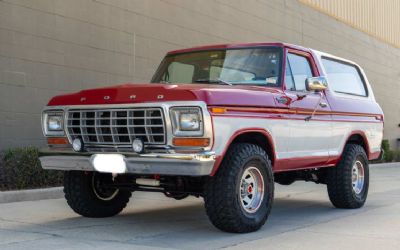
(340, 116)
(289, 118)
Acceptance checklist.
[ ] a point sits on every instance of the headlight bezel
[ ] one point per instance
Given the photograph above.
(46, 115)
(176, 116)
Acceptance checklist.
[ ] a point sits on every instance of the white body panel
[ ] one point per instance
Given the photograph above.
(341, 131)
(308, 138)
(297, 138)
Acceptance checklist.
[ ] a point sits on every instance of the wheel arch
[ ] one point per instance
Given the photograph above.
(257, 136)
(358, 137)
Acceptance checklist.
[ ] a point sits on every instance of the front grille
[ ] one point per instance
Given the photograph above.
(116, 127)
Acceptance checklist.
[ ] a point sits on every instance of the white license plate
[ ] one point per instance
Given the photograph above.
(109, 163)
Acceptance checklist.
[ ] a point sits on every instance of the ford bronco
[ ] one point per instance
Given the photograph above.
(222, 122)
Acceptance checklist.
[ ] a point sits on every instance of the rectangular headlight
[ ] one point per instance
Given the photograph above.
(187, 121)
(53, 122)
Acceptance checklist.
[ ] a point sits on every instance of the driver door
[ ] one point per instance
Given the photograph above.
(310, 119)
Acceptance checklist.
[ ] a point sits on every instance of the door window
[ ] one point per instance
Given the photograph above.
(300, 69)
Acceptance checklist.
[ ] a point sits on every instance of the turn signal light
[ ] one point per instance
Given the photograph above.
(57, 140)
(191, 142)
(218, 110)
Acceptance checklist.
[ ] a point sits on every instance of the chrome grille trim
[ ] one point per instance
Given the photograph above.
(116, 127)
(165, 106)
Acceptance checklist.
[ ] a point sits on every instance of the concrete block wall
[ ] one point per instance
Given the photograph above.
(49, 47)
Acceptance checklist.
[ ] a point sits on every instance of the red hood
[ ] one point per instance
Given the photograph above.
(141, 93)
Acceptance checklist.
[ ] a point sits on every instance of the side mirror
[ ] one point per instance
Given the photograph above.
(318, 83)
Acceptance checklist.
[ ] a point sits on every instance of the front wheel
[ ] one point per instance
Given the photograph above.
(348, 182)
(86, 195)
(239, 197)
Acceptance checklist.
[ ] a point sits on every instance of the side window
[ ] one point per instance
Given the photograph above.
(344, 77)
(301, 70)
(179, 72)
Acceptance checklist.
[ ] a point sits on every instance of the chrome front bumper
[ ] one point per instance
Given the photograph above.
(198, 164)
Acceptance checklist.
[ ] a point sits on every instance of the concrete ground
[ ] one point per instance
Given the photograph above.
(302, 218)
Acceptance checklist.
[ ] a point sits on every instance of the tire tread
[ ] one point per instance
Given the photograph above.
(220, 206)
(340, 193)
(81, 199)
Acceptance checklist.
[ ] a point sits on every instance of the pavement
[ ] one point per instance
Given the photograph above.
(302, 218)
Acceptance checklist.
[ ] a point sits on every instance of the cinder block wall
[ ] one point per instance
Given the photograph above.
(49, 47)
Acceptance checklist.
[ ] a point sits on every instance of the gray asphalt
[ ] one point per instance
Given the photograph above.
(302, 218)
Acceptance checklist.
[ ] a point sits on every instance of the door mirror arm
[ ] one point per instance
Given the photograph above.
(316, 84)
(321, 95)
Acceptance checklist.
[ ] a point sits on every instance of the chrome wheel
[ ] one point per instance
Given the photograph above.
(251, 190)
(102, 193)
(357, 177)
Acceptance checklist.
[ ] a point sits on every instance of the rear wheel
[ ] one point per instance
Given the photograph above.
(239, 198)
(348, 182)
(86, 194)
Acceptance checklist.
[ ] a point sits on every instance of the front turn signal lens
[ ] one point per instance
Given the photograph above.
(57, 141)
(218, 110)
(191, 142)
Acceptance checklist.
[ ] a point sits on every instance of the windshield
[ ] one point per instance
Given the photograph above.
(251, 66)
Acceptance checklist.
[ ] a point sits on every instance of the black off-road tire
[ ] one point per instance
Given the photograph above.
(82, 199)
(339, 179)
(221, 193)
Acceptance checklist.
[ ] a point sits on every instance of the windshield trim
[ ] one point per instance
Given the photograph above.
(278, 48)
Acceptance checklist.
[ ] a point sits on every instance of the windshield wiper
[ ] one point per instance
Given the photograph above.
(219, 81)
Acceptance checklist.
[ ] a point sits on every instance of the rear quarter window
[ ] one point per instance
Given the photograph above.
(344, 77)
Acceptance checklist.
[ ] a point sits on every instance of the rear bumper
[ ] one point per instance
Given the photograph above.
(198, 164)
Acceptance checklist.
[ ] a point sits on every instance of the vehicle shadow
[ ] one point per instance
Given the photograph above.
(185, 224)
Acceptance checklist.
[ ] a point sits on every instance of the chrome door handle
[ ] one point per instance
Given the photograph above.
(323, 105)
